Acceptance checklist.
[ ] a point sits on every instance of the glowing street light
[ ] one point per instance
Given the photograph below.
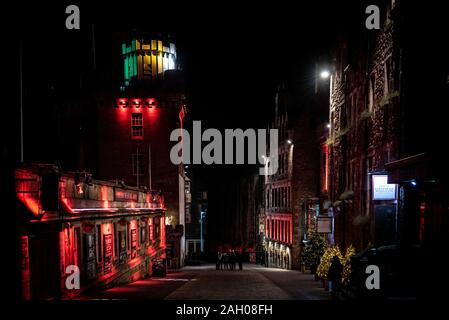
(324, 74)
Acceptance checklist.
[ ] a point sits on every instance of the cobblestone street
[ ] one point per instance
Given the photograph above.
(206, 283)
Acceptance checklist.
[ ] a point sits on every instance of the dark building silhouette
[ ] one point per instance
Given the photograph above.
(387, 181)
(296, 193)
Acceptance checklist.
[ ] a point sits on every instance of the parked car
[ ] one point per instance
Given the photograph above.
(402, 271)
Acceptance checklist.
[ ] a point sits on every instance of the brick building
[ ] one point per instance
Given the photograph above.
(134, 127)
(296, 193)
(380, 86)
(110, 233)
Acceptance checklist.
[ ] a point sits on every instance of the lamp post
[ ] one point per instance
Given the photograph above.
(203, 215)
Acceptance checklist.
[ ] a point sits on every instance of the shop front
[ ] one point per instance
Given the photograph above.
(423, 197)
(100, 234)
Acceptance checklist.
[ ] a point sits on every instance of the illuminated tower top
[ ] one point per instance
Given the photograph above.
(147, 60)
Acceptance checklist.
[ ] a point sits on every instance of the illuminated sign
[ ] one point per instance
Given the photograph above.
(133, 243)
(107, 253)
(324, 224)
(125, 195)
(382, 190)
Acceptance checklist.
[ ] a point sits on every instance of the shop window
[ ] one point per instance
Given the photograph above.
(157, 229)
(134, 242)
(99, 247)
(122, 246)
(143, 234)
(150, 229)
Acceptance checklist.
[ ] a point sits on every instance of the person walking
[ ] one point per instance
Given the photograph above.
(225, 261)
(334, 276)
(232, 259)
(219, 260)
(239, 259)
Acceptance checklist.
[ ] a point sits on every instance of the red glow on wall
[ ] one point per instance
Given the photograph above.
(182, 114)
(326, 168)
(28, 190)
(422, 207)
(122, 102)
(136, 102)
(290, 240)
(106, 204)
(103, 193)
(25, 264)
(150, 102)
(106, 228)
(125, 195)
(162, 224)
(66, 205)
(31, 203)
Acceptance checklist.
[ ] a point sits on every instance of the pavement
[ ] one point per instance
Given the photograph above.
(205, 283)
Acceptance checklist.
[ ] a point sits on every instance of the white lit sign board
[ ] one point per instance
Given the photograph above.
(324, 225)
(382, 190)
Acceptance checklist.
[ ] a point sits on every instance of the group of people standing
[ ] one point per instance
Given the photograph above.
(228, 260)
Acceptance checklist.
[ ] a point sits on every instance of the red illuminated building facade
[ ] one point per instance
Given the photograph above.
(134, 128)
(109, 232)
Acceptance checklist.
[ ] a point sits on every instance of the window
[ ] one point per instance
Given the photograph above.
(134, 242)
(122, 246)
(114, 232)
(98, 235)
(150, 229)
(143, 234)
(283, 198)
(137, 164)
(157, 230)
(136, 126)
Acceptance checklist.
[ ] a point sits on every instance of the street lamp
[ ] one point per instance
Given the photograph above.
(203, 215)
(324, 74)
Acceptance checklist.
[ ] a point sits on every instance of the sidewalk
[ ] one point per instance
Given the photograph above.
(301, 286)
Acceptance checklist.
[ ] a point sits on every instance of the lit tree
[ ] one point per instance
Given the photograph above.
(350, 251)
(326, 261)
(314, 249)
